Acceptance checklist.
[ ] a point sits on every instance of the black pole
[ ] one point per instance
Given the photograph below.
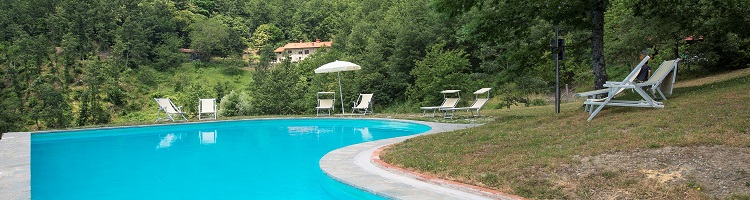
(557, 72)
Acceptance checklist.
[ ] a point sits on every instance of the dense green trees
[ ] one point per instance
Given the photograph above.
(438, 70)
(103, 60)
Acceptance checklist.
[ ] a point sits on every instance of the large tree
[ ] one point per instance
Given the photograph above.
(508, 17)
(210, 36)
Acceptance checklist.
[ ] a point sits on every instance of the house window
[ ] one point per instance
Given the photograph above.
(289, 52)
(300, 52)
(307, 51)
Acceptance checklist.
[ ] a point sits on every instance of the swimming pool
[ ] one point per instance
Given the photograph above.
(249, 159)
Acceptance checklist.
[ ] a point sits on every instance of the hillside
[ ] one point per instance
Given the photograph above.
(697, 147)
(72, 63)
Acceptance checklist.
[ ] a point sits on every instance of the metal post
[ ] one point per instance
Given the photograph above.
(341, 94)
(557, 72)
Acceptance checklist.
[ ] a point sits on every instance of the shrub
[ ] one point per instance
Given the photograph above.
(235, 104)
(231, 70)
(538, 102)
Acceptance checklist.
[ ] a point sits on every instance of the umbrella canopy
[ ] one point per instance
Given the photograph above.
(338, 66)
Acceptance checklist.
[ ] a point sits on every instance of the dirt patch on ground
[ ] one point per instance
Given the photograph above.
(668, 172)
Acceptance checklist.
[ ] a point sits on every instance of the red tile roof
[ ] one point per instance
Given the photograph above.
(691, 38)
(303, 45)
(184, 50)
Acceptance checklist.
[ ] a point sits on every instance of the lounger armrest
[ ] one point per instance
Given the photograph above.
(619, 84)
(434, 107)
(592, 93)
(615, 83)
(647, 83)
(461, 108)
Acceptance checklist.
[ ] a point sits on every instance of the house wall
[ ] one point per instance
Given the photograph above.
(296, 54)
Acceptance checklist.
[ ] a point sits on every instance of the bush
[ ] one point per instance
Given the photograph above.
(235, 104)
(201, 64)
(147, 75)
(116, 95)
(538, 102)
(231, 70)
(189, 98)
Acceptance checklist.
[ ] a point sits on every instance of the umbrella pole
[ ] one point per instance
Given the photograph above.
(341, 94)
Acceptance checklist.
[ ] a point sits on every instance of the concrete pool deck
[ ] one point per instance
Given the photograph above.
(15, 166)
(357, 165)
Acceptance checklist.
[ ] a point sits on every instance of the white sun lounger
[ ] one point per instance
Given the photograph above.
(206, 106)
(325, 103)
(595, 95)
(166, 106)
(448, 102)
(476, 106)
(646, 100)
(365, 104)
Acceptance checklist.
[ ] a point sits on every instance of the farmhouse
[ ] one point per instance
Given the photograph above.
(299, 51)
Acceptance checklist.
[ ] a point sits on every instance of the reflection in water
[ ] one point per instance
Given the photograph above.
(302, 130)
(207, 137)
(168, 140)
(366, 135)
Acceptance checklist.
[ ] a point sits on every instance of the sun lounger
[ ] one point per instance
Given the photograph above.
(476, 106)
(448, 102)
(646, 100)
(166, 106)
(325, 103)
(596, 94)
(364, 106)
(206, 106)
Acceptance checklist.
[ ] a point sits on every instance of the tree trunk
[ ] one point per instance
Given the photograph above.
(597, 42)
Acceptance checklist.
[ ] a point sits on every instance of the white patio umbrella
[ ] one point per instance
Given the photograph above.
(338, 66)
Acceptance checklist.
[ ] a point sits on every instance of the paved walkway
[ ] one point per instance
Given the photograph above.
(15, 166)
(355, 165)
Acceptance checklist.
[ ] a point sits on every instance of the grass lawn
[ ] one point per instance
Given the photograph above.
(532, 151)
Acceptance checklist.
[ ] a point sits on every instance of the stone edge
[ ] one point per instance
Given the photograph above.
(375, 176)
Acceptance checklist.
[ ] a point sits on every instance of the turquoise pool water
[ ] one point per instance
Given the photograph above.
(251, 159)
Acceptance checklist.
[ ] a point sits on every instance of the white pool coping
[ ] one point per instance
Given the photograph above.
(15, 166)
(354, 165)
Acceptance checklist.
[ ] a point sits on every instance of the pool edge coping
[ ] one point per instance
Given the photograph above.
(359, 166)
(15, 166)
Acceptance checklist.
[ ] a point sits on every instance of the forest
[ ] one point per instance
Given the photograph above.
(71, 63)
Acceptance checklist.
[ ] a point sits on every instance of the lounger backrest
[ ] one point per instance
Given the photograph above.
(166, 105)
(208, 105)
(450, 102)
(479, 103)
(325, 103)
(666, 71)
(364, 101)
(662, 71)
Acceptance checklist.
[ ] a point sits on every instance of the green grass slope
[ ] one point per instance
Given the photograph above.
(524, 149)
(183, 77)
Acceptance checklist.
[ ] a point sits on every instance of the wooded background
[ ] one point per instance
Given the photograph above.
(72, 63)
